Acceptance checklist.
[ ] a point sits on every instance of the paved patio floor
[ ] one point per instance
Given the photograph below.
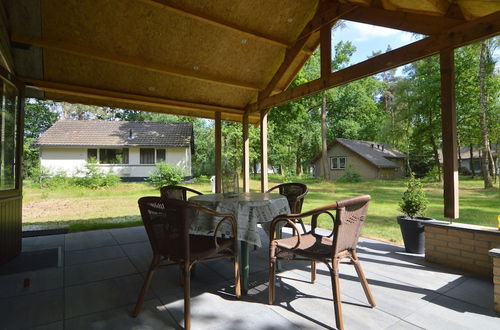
(101, 272)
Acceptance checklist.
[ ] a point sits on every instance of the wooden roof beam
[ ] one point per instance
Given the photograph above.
(134, 62)
(482, 28)
(187, 108)
(202, 17)
(411, 22)
(326, 14)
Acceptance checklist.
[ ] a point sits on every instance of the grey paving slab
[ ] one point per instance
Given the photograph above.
(103, 295)
(98, 271)
(43, 242)
(449, 313)
(28, 311)
(478, 291)
(40, 280)
(402, 325)
(140, 254)
(92, 255)
(52, 326)
(209, 311)
(88, 240)
(152, 316)
(129, 235)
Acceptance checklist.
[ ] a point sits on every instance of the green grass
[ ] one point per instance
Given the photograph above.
(83, 209)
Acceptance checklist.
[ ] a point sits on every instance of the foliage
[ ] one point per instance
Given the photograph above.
(165, 174)
(93, 177)
(349, 176)
(414, 200)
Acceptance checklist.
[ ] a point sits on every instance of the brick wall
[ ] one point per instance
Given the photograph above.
(495, 254)
(461, 246)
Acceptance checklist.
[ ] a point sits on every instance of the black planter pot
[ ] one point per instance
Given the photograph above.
(413, 233)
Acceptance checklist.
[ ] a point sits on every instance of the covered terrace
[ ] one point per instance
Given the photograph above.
(223, 60)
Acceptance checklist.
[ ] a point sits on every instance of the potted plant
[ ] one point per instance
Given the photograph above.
(412, 203)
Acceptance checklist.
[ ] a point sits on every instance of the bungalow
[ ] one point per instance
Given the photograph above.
(370, 159)
(467, 163)
(128, 149)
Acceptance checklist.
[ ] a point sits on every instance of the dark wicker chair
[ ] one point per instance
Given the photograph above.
(167, 223)
(177, 192)
(294, 193)
(340, 244)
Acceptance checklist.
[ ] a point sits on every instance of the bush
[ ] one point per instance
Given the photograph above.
(94, 178)
(414, 200)
(57, 180)
(432, 175)
(349, 176)
(165, 174)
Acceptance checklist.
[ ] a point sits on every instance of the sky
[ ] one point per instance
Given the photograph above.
(369, 38)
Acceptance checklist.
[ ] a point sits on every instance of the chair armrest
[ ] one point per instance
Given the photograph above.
(225, 217)
(288, 218)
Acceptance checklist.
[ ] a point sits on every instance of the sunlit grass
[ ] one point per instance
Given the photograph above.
(84, 209)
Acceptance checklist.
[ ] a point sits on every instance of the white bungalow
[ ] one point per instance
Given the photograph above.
(128, 149)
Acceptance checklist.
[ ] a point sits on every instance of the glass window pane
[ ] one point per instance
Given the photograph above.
(92, 154)
(8, 141)
(147, 156)
(342, 162)
(125, 156)
(160, 155)
(111, 156)
(333, 163)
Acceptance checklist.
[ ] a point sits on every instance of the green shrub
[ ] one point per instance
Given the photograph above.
(432, 175)
(414, 200)
(202, 179)
(94, 178)
(349, 176)
(165, 174)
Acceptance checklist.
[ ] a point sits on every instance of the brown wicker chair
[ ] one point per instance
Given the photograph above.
(294, 193)
(167, 223)
(340, 244)
(177, 192)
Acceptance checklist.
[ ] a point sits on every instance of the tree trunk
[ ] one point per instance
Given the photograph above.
(435, 150)
(471, 153)
(324, 157)
(298, 158)
(483, 123)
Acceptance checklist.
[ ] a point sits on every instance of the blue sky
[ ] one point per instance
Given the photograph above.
(369, 39)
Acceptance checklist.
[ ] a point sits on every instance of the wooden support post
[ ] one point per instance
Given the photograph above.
(449, 129)
(264, 185)
(325, 35)
(218, 153)
(246, 155)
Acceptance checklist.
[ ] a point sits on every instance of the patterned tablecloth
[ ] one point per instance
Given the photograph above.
(249, 209)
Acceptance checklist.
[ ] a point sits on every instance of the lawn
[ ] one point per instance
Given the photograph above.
(83, 209)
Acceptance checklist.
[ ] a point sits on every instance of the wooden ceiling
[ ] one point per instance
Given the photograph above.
(196, 58)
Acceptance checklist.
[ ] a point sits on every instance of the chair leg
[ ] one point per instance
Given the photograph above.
(337, 301)
(147, 281)
(313, 271)
(362, 278)
(272, 272)
(187, 295)
(237, 279)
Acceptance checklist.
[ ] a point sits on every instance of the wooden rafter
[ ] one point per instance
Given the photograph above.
(325, 15)
(455, 37)
(134, 62)
(186, 108)
(411, 22)
(220, 23)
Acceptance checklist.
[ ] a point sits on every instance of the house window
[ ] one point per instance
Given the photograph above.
(113, 156)
(337, 163)
(92, 154)
(160, 155)
(9, 115)
(147, 156)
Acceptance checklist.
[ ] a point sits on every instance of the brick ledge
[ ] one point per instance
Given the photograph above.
(462, 226)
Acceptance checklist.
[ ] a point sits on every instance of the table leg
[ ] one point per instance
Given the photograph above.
(245, 266)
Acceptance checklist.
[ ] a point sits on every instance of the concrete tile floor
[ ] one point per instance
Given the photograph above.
(102, 272)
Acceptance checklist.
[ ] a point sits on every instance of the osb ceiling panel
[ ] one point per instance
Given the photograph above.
(165, 37)
(83, 71)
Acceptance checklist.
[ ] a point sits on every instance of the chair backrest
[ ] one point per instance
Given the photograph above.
(167, 226)
(177, 192)
(351, 214)
(294, 193)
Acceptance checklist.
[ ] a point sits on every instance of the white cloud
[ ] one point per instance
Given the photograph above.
(362, 32)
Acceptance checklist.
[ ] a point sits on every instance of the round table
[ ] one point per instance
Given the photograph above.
(248, 208)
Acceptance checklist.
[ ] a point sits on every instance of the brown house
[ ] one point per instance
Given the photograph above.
(370, 159)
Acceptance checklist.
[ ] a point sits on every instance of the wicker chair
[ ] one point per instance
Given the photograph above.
(294, 193)
(340, 244)
(177, 192)
(167, 223)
